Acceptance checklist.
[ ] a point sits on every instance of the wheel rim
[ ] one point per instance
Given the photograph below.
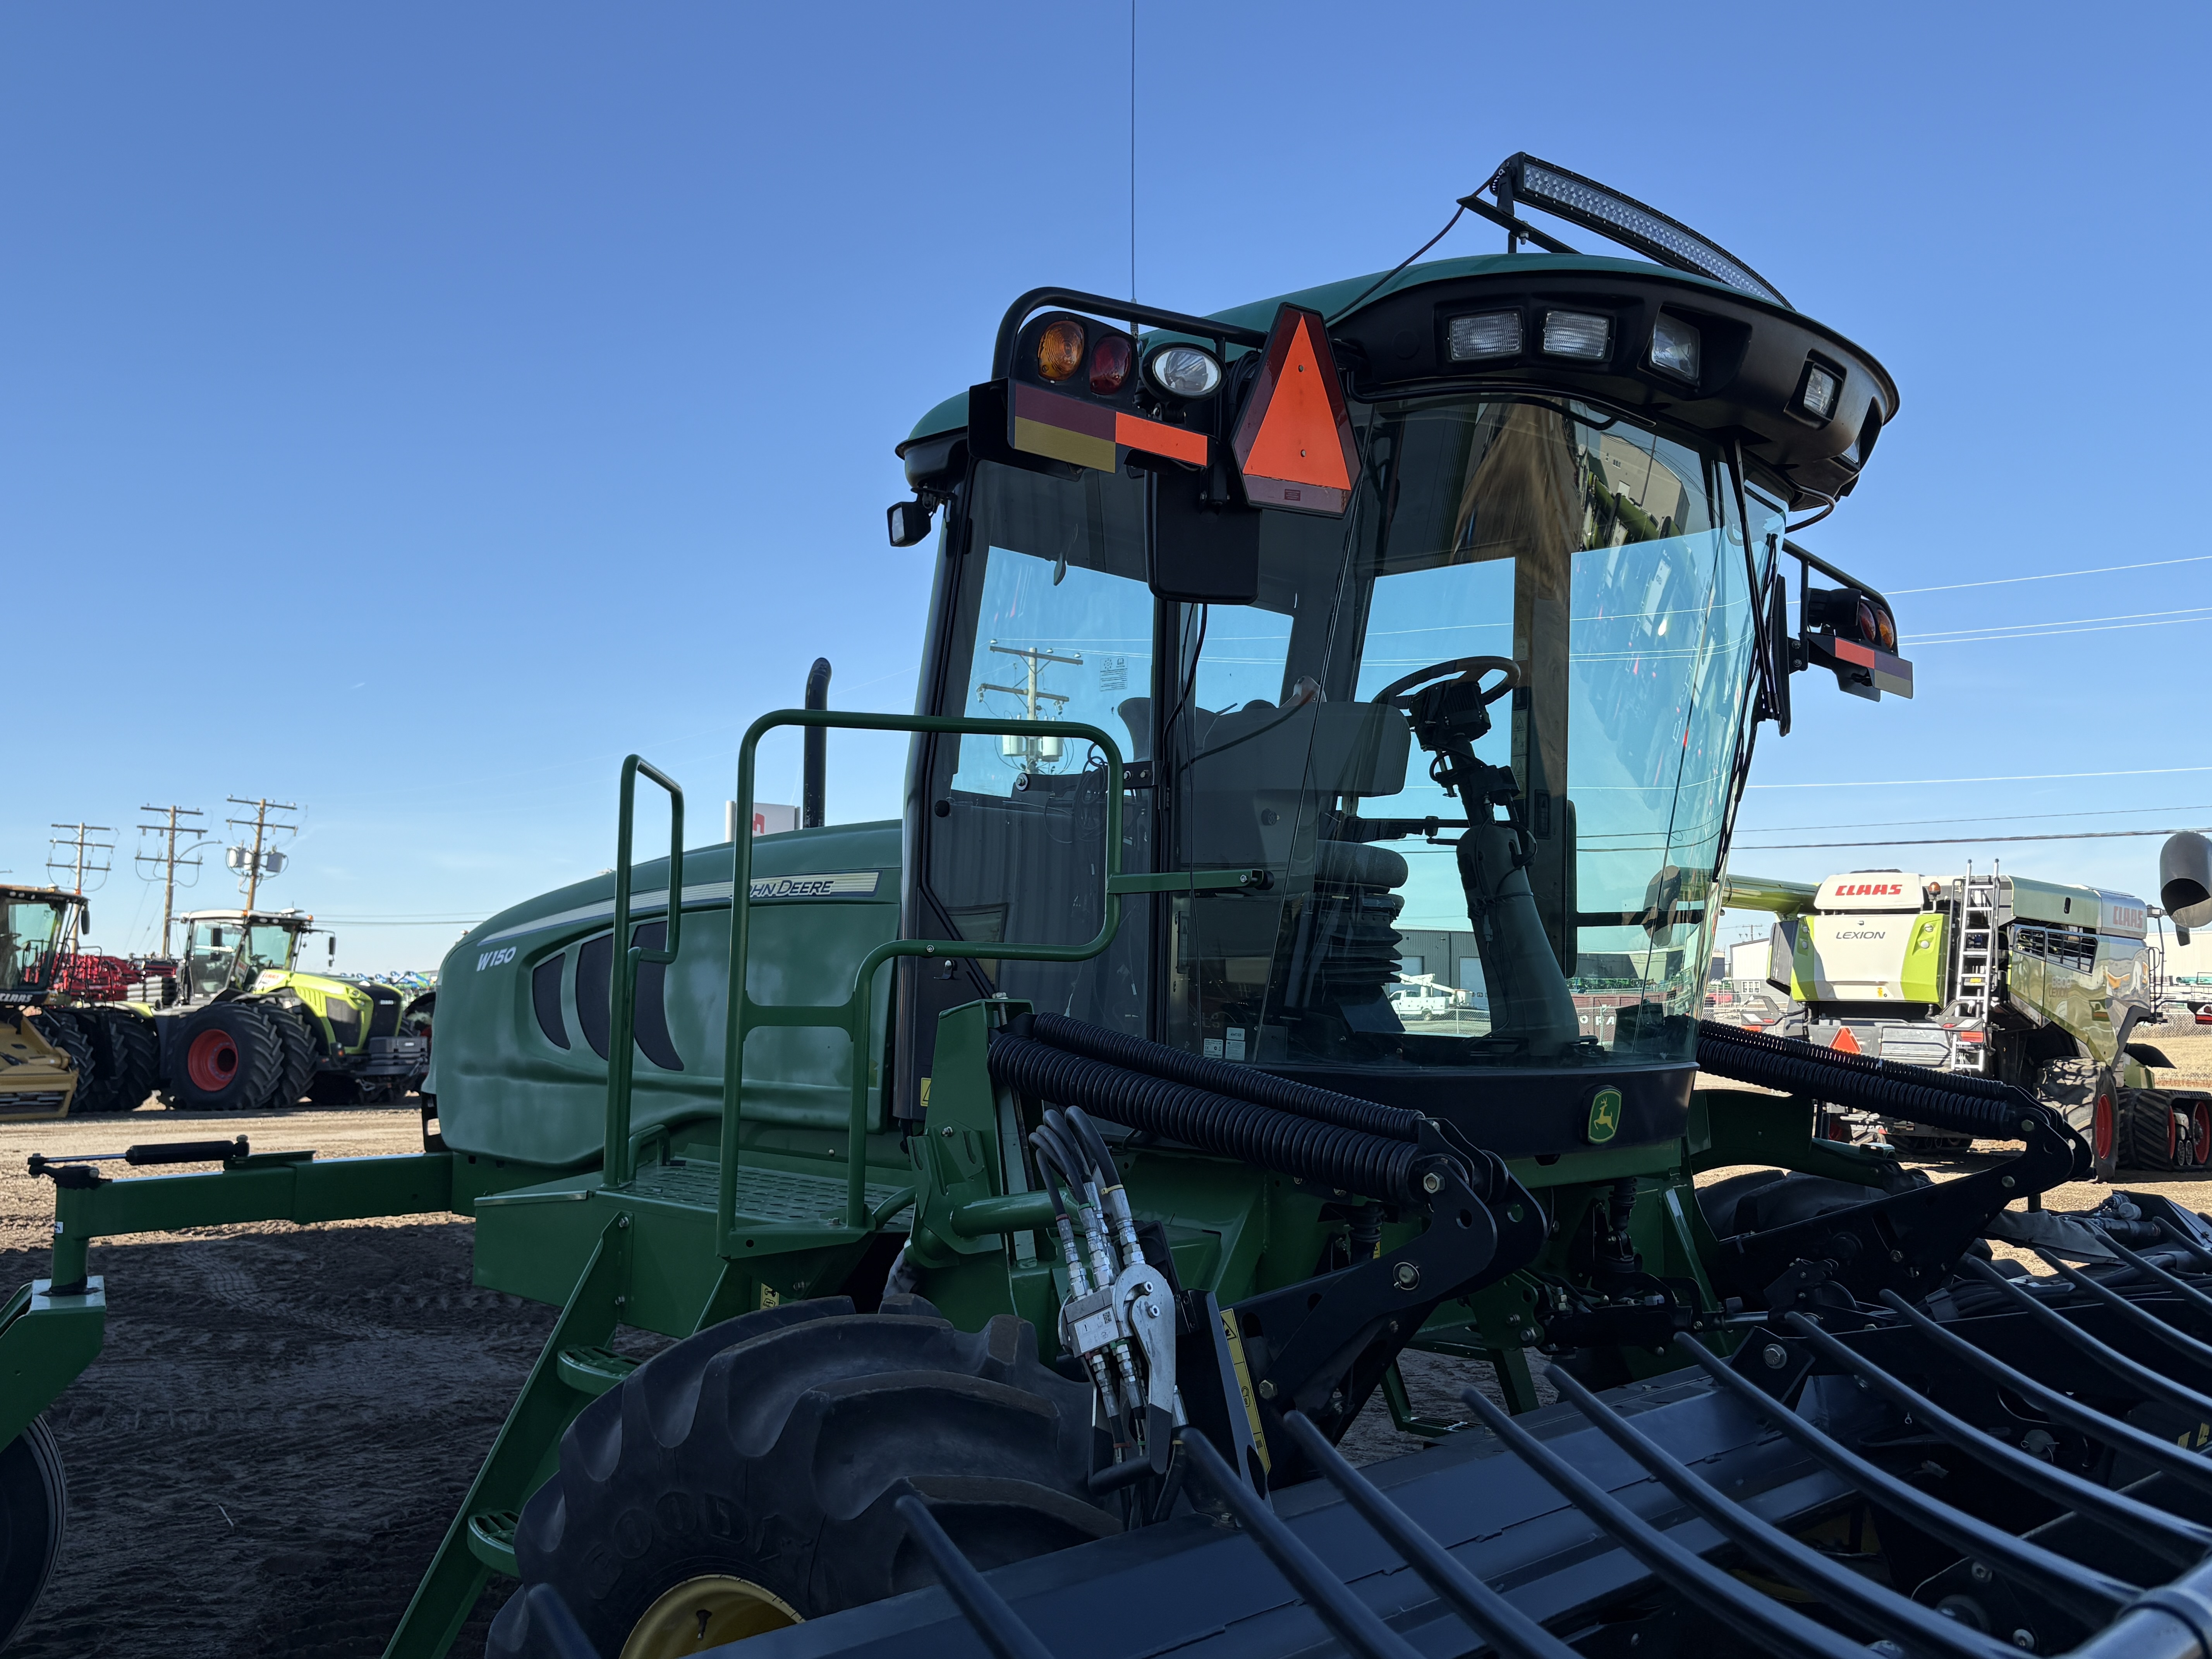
(703, 1613)
(2101, 1127)
(2201, 1146)
(211, 1062)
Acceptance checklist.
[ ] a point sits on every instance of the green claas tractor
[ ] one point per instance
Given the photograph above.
(2038, 983)
(59, 1054)
(251, 1027)
(1035, 1188)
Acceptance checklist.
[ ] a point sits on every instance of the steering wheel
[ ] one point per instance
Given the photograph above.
(1470, 667)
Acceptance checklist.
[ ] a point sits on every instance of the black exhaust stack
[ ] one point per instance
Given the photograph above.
(817, 748)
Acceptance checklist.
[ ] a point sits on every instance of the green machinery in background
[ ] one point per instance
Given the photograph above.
(1052, 1158)
(2037, 983)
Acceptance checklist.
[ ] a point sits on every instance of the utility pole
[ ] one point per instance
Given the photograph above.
(166, 859)
(261, 859)
(77, 854)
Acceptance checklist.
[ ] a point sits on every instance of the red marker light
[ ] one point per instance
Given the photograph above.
(1109, 363)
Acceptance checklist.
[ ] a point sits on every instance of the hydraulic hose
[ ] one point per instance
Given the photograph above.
(1326, 1153)
(1220, 1077)
(1977, 1106)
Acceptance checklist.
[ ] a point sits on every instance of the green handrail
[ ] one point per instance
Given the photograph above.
(619, 1163)
(746, 1016)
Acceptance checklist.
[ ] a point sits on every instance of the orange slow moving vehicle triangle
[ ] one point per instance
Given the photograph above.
(1294, 442)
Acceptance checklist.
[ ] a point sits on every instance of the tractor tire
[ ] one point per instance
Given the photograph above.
(127, 1058)
(229, 1060)
(2192, 1109)
(290, 1026)
(743, 1480)
(2091, 1101)
(62, 1029)
(33, 1510)
(2150, 1138)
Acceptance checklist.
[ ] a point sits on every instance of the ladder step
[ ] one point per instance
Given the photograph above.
(491, 1540)
(593, 1370)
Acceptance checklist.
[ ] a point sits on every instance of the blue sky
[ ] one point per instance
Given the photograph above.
(407, 410)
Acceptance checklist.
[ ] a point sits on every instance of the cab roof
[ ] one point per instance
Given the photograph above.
(1757, 352)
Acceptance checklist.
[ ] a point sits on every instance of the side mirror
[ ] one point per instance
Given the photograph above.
(2184, 881)
(334, 947)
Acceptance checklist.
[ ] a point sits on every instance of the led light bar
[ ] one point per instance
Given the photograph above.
(1623, 219)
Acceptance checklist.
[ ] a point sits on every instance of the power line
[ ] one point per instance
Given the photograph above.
(83, 859)
(388, 922)
(168, 860)
(1967, 840)
(2002, 777)
(1979, 817)
(2053, 630)
(2054, 575)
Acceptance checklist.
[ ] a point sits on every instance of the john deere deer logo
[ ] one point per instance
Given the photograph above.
(1604, 1116)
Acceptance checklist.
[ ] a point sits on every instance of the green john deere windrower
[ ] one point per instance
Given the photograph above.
(1037, 1187)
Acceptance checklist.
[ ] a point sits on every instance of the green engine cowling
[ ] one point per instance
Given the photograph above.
(520, 1070)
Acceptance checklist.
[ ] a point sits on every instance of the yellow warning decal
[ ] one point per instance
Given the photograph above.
(1244, 1387)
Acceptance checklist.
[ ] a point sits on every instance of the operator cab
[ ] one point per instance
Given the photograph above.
(1476, 699)
(223, 948)
(38, 926)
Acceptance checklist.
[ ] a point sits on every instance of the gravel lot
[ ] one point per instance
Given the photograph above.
(283, 1419)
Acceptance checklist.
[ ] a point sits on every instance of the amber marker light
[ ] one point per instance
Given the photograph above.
(1110, 363)
(1060, 350)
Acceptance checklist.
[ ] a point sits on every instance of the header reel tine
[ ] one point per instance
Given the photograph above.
(1354, 1623)
(2143, 1319)
(2180, 1541)
(2090, 1596)
(2170, 1458)
(1785, 1631)
(998, 1624)
(1892, 1614)
(1489, 1615)
(2132, 1371)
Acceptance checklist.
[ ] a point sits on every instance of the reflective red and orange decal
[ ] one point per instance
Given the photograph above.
(1093, 435)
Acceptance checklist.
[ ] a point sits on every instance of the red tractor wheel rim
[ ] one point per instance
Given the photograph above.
(2172, 1135)
(2101, 1127)
(2201, 1146)
(211, 1062)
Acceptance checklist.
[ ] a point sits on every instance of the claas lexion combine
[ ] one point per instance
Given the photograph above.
(2034, 982)
(1036, 1187)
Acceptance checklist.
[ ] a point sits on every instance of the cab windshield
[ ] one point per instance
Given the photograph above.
(1481, 732)
(214, 952)
(30, 930)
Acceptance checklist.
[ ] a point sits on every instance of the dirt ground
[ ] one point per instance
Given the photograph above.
(284, 1419)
